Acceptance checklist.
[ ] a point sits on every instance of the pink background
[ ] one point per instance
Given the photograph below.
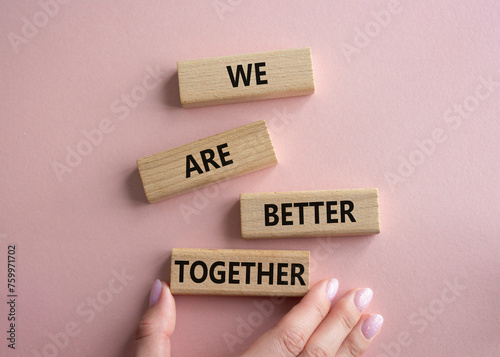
(372, 110)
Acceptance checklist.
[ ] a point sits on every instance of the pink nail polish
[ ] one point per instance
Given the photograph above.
(371, 326)
(362, 298)
(331, 289)
(155, 294)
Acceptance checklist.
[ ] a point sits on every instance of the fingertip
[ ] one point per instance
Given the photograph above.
(159, 290)
(362, 298)
(332, 288)
(156, 292)
(372, 325)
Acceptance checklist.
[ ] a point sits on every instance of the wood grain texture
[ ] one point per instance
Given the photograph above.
(164, 175)
(236, 272)
(206, 82)
(324, 213)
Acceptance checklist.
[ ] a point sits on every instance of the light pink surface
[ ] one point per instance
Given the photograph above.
(440, 223)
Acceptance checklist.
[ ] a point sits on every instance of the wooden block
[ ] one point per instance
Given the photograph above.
(207, 161)
(245, 78)
(239, 272)
(309, 213)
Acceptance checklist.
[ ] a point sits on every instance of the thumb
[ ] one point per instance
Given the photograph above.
(152, 338)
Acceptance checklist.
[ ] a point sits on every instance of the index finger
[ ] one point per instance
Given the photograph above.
(292, 332)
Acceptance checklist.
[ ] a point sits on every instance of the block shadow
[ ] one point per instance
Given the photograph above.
(232, 226)
(170, 91)
(134, 187)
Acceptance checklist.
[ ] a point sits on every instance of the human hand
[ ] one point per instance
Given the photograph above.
(312, 328)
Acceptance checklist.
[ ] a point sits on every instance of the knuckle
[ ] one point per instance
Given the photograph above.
(347, 321)
(144, 329)
(319, 310)
(353, 350)
(315, 351)
(292, 341)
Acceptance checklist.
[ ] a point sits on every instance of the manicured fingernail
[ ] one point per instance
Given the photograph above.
(362, 298)
(371, 326)
(155, 293)
(331, 289)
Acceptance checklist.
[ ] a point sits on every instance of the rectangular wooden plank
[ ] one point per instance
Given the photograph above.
(244, 78)
(239, 272)
(204, 162)
(309, 213)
